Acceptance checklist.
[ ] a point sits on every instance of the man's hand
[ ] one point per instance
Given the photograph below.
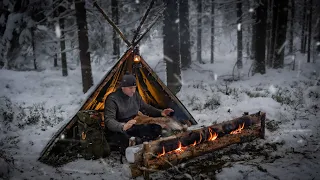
(129, 124)
(166, 112)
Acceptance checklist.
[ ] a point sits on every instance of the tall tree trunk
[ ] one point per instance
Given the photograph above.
(199, 32)
(4, 12)
(55, 59)
(5, 15)
(171, 46)
(33, 41)
(274, 32)
(81, 15)
(115, 19)
(63, 48)
(269, 33)
(253, 37)
(55, 44)
(303, 43)
(261, 24)
(292, 12)
(318, 38)
(212, 32)
(310, 30)
(281, 35)
(239, 35)
(184, 34)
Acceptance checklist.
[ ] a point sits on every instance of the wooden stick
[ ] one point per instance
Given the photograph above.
(112, 23)
(142, 21)
(263, 125)
(146, 158)
(147, 30)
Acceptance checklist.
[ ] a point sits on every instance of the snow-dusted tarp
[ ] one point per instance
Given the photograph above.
(62, 147)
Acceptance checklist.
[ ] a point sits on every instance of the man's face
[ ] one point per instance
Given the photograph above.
(129, 91)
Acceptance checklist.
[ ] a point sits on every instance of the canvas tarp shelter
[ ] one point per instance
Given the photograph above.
(150, 87)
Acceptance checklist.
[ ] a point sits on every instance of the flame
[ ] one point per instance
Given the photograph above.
(213, 136)
(200, 138)
(163, 152)
(180, 148)
(237, 131)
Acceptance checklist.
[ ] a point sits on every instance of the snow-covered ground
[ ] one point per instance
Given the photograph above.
(34, 105)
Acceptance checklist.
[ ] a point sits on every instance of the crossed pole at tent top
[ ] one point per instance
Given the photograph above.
(134, 41)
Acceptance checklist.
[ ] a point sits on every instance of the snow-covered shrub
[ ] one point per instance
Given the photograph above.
(312, 99)
(194, 102)
(6, 111)
(282, 96)
(255, 94)
(16, 115)
(212, 102)
(6, 165)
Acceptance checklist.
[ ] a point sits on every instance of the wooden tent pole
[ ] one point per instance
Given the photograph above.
(147, 30)
(142, 21)
(112, 23)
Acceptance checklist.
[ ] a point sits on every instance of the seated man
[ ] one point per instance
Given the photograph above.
(122, 106)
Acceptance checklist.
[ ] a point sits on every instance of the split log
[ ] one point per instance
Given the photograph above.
(134, 154)
(175, 157)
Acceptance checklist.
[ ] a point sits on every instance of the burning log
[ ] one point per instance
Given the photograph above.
(173, 150)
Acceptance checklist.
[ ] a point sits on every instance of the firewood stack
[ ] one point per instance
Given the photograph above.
(166, 152)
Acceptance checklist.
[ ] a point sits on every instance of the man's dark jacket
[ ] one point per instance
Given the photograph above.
(120, 108)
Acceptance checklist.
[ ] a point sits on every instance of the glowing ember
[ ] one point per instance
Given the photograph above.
(200, 138)
(163, 152)
(237, 131)
(213, 136)
(180, 148)
(195, 142)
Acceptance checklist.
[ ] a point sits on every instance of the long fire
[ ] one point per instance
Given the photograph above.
(237, 131)
(213, 136)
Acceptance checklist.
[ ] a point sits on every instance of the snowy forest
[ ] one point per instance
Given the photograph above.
(220, 58)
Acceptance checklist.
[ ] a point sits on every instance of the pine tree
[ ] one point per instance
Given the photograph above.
(212, 32)
(261, 24)
(184, 34)
(171, 46)
(281, 35)
(115, 19)
(87, 80)
(239, 34)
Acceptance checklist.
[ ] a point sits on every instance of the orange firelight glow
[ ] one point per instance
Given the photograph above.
(136, 59)
(213, 136)
(237, 131)
(180, 148)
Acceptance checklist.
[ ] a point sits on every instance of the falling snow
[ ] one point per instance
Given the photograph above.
(282, 47)
(239, 26)
(272, 89)
(215, 76)
(166, 58)
(251, 10)
(177, 20)
(57, 30)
